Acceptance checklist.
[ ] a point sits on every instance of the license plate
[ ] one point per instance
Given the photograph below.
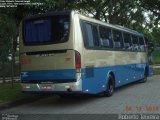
(46, 87)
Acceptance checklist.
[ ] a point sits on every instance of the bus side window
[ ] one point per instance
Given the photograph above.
(135, 42)
(142, 44)
(95, 35)
(127, 41)
(105, 37)
(118, 41)
(90, 34)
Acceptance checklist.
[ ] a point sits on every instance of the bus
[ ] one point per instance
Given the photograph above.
(68, 53)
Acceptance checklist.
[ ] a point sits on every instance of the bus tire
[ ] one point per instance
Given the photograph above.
(109, 87)
(145, 76)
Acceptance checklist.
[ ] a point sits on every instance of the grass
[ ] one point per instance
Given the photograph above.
(7, 93)
(156, 57)
(156, 60)
(156, 71)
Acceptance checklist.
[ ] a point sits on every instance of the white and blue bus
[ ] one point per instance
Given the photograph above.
(66, 52)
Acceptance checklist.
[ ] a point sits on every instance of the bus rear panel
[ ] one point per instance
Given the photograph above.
(48, 59)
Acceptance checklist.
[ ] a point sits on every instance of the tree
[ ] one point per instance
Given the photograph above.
(128, 13)
(8, 32)
(155, 36)
(153, 6)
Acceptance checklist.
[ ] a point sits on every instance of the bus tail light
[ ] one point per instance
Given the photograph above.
(77, 60)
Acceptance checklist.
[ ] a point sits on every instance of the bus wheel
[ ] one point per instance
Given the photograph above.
(109, 87)
(145, 76)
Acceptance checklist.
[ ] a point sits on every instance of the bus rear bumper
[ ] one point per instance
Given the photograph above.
(58, 87)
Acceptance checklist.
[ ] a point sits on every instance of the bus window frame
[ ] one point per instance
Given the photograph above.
(143, 44)
(130, 42)
(84, 33)
(106, 27)
(135, 44)
(121, 41)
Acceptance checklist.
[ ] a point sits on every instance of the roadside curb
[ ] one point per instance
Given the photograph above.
(21, 101)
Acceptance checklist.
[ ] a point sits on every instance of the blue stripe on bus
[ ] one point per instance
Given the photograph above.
(124, 74)
(49, 74)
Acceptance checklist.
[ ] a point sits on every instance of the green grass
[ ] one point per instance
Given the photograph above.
(156, 57)
(156, 71)
(7, 93)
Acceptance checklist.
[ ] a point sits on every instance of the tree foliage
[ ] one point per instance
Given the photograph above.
(128, 13)
(8, 32)
(140, 15)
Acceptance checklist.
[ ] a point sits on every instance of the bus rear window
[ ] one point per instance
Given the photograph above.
(54, 29)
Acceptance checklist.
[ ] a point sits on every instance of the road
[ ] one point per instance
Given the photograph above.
(133, 98)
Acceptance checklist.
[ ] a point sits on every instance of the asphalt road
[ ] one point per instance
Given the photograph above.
(133, 98)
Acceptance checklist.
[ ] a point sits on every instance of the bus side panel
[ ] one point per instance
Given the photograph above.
(126, 66)
(95, 81)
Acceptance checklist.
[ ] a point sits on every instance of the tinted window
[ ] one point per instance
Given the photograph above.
(141, 41)
(135, 42)
(127, 41)
(90, 34)
(142, 44)
(54, 29)
(118, 41)
(105, 37)
(37, 31)
(96, 37)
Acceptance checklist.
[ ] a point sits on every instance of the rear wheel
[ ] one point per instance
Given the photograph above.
(109, 87)
(145, 76)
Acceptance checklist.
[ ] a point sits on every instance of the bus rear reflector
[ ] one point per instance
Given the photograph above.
(26, 61)
(77, 60)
